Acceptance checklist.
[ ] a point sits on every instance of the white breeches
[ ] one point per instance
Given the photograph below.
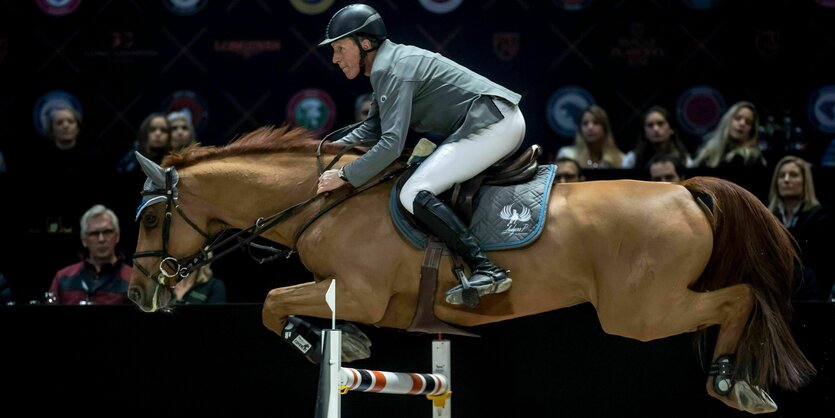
(462, 160)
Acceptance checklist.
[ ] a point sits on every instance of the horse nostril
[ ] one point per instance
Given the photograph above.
(134, 294)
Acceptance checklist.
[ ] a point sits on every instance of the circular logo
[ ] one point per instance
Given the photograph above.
(701, 4)
(313, 109)
(565, 107)
(440, 6)
(58, 7)
(195, 103)
(184, 7)
(50, 101)
(572, 5)
(822, 109)
(699, 109)
(311, 7)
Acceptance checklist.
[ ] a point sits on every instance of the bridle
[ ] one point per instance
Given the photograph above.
(172, 269)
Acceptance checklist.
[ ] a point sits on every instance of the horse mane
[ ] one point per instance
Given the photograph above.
(265, 140)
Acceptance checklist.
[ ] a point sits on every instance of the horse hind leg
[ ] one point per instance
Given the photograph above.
(729, 308)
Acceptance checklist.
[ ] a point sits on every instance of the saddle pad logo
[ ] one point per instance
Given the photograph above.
(565, 107)
(440, 6)
(699, 109)
(58, 7)
(49, 102)
(311, 7)
(822, 109)
(517, 221)
(313, 109)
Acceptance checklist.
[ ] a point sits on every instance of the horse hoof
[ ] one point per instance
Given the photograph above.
(753, 399)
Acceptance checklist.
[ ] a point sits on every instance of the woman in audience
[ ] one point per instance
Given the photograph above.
(594, 145)
(734, 142)
(792, 199)
(658, 137)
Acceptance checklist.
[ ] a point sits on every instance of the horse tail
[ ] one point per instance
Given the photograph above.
(751, 246)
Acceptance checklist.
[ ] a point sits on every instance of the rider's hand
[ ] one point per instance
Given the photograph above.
(329, 180)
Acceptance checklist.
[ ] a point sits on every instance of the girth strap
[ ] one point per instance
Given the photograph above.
(425, 319)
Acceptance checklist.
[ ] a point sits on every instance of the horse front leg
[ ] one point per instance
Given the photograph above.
(284, 306)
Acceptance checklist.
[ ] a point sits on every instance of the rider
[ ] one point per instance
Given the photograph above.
(428, 93)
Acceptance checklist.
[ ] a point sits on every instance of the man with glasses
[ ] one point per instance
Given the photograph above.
(101, 277)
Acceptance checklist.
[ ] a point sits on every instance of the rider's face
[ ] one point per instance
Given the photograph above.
(347, 56)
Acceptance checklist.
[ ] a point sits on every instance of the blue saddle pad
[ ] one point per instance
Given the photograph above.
(504, 216)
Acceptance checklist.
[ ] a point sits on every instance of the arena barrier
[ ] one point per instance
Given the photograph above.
(335, 380)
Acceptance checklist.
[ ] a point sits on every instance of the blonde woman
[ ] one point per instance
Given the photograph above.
(734, 142)
(594, 145)
(792, 199)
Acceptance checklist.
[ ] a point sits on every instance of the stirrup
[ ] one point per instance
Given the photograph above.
(468, 294)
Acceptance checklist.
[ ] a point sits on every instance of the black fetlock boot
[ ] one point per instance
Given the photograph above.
(486, 277)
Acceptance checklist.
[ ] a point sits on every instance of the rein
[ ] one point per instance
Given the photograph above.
(172, 270)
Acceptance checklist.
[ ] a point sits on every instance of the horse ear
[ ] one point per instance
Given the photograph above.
(151, 169)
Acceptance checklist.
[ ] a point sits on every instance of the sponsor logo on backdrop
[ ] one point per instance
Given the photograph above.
(184, 7)
(768, 42)
(58, 7)
(822, 109)
(248, 48)
(50, 101)
(699, 109)
(311, 7)
(565, 107)
(313, 109)
(701, 4)
(572, 5)
(506, 45)
(121, 48)
(636, 49)
(440, 6)
(194, 102)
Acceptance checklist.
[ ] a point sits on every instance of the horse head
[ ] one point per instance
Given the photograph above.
(160, 262)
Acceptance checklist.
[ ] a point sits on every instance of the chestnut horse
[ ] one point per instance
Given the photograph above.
(654, 259)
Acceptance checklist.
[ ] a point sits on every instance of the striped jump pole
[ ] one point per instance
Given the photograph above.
(335, 380)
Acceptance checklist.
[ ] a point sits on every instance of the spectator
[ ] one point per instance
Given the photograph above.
(101, 277)
(734, 143)
(362, 106)
(2, 163)
(657, 137)
(6, 296)
(200, 287)
(153, 140)
(663, 167)
(594, 144)
(182, 129)
(568, 171)
(792, 199)
(66, 155)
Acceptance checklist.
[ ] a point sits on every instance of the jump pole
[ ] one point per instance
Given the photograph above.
(335, 379)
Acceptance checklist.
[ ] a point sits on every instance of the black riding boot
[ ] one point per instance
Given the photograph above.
(486, 277)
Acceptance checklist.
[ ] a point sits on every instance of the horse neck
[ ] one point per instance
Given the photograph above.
(236, 191)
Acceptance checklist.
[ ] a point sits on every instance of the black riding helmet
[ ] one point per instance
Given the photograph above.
(355, 19)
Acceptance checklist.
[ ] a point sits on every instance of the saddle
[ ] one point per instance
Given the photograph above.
(517, 170)
(461, 198)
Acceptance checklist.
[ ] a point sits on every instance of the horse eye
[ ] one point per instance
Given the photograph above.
(150, 220)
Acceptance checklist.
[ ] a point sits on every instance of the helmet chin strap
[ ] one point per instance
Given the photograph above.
(363, 52)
